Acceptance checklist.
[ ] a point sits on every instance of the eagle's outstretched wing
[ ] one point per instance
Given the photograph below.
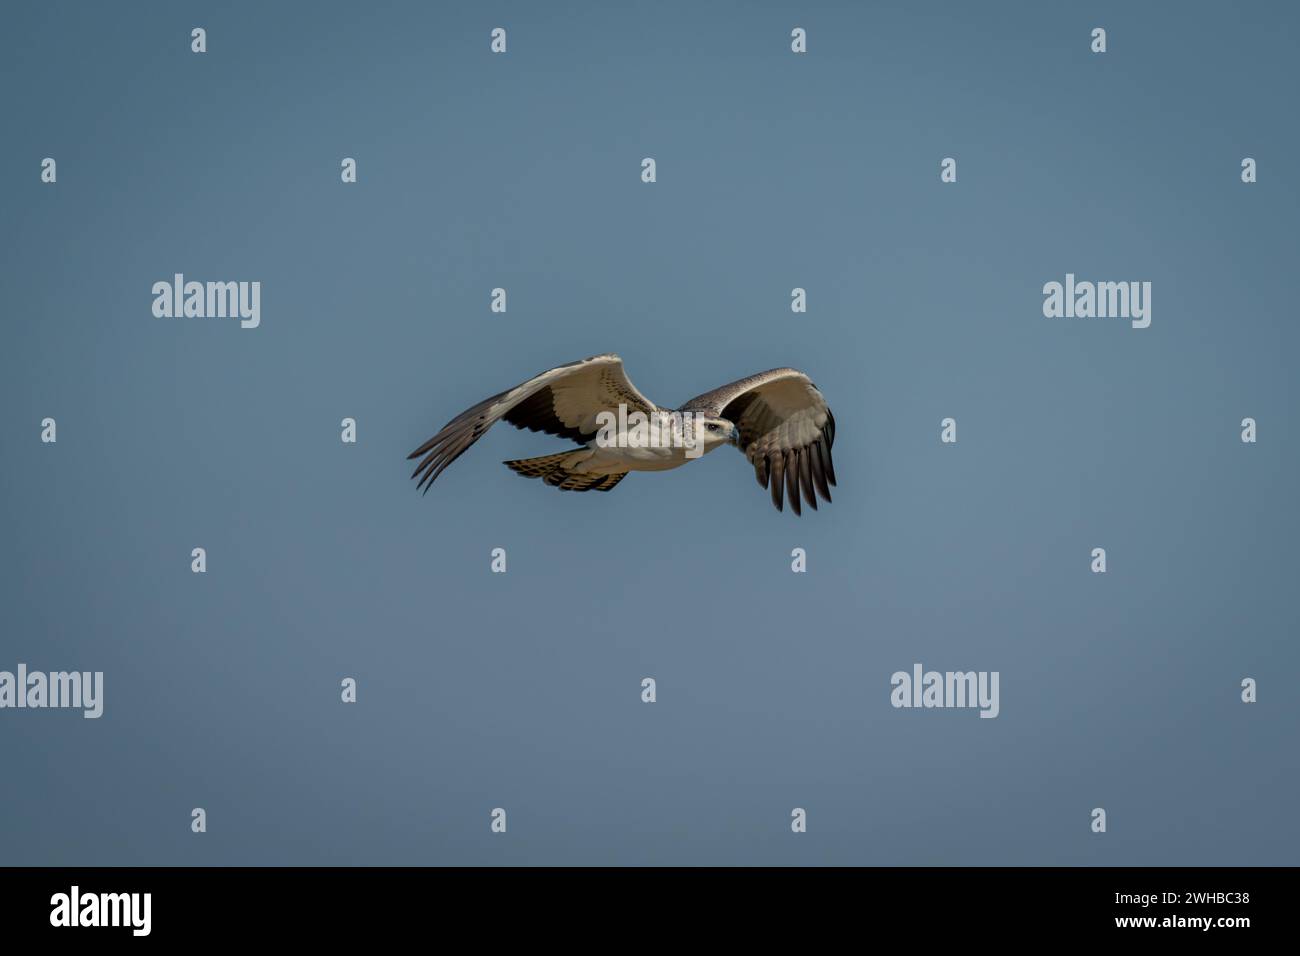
(786, 431)
(563, 401)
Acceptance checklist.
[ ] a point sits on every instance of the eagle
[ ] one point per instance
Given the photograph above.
(778, 419)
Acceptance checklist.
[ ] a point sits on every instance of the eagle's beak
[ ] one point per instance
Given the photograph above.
(735, 436)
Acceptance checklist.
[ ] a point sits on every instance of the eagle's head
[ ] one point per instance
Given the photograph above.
(719, 431)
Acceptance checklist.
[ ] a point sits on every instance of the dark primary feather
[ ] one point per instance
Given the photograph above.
(777, 465)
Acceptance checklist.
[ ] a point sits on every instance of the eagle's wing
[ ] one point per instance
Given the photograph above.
(563, 401)
(786, 431)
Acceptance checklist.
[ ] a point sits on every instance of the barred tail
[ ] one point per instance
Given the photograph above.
(555, 471)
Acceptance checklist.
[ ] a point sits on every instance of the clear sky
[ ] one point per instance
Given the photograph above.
(523, 690)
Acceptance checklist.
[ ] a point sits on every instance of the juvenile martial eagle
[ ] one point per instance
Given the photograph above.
(778, 419)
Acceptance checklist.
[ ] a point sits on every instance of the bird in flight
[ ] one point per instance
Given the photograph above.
(777, 419)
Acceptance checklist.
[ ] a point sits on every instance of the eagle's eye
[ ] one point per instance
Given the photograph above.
(712, 427)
